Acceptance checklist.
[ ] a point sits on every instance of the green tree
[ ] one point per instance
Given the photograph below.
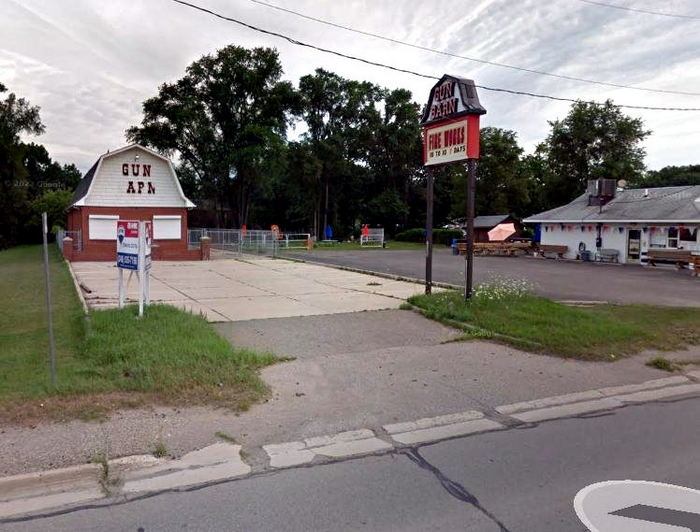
(226, 118)
(17, 116)
(502, 179)
(670, 176)
(593, 141)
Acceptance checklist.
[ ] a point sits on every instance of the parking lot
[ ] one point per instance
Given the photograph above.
(561, 280)
(233, 290)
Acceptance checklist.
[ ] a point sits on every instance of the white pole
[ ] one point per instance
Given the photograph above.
(47, 278)
(141, 265)
(121, 287)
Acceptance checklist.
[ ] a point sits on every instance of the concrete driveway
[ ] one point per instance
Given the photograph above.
(243, 289)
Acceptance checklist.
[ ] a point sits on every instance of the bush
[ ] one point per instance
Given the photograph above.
(440, 236)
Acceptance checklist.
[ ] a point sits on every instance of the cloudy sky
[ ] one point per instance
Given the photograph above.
(90, 63)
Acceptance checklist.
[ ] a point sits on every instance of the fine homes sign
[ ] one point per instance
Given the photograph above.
(450, 125)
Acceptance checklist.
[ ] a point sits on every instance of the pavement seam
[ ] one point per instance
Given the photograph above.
(220, 462)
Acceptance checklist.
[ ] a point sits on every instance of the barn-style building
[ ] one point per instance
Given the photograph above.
(131, 183)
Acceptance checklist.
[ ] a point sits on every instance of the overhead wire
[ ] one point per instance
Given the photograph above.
(465, 57)
(639, 10)
(413, 72)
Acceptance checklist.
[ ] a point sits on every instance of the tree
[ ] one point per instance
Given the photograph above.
(17, 116)
(670, 176)
(225, 119)
(593, 141)
(502, 180)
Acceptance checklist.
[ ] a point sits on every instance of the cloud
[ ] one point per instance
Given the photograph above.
(90, 64)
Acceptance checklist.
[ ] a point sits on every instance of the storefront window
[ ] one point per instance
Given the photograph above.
(672, 240)
(689, 234)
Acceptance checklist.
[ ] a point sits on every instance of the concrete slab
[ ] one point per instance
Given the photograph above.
(248, 289)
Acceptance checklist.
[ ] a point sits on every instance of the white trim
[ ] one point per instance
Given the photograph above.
(167, 216)
(104, 216)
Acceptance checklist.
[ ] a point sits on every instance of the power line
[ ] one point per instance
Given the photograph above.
(412, 72)
(637, 10)
(474, 59)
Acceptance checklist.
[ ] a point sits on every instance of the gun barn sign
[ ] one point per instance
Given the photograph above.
(450, 125)
(451, 122)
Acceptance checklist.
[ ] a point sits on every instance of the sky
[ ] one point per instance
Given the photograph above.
(89, 64)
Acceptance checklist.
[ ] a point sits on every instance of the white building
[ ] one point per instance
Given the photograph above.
(630, 221)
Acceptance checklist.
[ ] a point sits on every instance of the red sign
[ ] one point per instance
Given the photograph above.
(451, 141)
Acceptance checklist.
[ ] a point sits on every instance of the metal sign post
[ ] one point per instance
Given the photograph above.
(429, 232)
(469, 256)
(450, 133)
(49, 309)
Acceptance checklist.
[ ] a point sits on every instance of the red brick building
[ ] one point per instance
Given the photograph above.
(131, 183)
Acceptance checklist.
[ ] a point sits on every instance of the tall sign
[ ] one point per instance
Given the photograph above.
(450, 125)
(134, 240)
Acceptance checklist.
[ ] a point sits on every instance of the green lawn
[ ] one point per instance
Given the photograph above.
(112, 358)
(537, 324)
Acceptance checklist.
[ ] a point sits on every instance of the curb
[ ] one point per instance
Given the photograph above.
(140, 474)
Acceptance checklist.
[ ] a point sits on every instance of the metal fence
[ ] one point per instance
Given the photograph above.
(75, 235)
(251, 241)
(374, 237)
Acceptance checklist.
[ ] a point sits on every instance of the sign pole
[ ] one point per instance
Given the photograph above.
(469, 257)
(429, 232)
(141, 268)
(121, 287)
(47, 278)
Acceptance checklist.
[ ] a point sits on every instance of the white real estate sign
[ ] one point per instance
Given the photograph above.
(134, 240)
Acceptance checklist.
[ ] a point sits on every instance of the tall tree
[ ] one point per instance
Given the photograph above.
(225, 119)
(17, 116)
(338, 113)
(593, 141)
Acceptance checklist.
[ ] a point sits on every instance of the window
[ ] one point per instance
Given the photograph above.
(167, 227)
(102, 227)
(689, 234)
(672, 240)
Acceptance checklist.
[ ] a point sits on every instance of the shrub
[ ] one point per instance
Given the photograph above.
(440, 236)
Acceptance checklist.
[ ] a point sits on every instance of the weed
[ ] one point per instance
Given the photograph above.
(225, 437)
(662, 363)
(160, 450)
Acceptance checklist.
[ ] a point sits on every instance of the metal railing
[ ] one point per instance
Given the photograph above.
(75, 235)
(373, 237)
(251, 241)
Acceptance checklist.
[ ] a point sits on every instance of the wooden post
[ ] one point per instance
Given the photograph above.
(469, 257)
(429, 232)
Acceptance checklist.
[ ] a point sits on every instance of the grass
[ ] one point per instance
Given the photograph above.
(160, 450)
(169, 357)
(534, 323)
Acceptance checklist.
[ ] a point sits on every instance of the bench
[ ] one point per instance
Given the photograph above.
(557, 251)
(681, 257)
(608, 255)
(696, 265)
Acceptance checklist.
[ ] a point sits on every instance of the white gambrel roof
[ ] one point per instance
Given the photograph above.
(85, 186)
(638, 205)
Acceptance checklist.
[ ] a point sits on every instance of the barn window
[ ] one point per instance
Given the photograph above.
(167, 227)
(102, 226)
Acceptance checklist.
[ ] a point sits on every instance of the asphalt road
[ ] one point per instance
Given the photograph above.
(521, 479)
(571, 280)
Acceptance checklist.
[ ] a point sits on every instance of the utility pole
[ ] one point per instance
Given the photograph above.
(47, 278)
(429, 232)
(469, 257)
